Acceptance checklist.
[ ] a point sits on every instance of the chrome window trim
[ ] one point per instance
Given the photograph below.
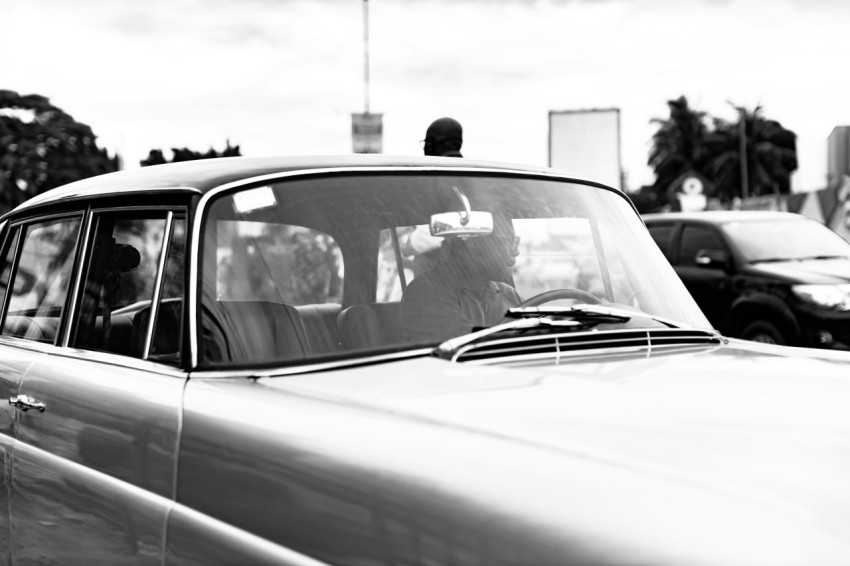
(309, 367)
(157, 288)
(90, 213)
(65, 325)
(200, 210)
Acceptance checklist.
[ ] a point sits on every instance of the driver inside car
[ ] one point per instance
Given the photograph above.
(467, 289)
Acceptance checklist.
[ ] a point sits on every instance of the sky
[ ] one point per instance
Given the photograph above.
(283, 77)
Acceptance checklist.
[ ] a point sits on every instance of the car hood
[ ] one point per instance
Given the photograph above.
(823, 271)
(761, 424)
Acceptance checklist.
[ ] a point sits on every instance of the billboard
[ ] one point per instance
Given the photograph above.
(587, 143)
(367, 132)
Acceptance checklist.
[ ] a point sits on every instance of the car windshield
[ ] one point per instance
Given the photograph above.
(319, 267)
(786, 240)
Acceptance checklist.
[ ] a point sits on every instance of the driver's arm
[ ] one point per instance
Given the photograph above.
(433, 312)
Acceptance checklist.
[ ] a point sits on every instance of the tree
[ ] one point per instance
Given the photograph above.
(42, 147)
(679, 145)
(691, 141)
(771, 156)
(156, 157)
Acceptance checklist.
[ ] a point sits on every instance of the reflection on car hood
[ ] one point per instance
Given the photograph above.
(742, 421)
(824, 271)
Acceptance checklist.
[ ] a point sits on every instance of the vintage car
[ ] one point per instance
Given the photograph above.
(373, 360)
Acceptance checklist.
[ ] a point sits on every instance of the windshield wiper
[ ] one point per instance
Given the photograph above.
(576, 317)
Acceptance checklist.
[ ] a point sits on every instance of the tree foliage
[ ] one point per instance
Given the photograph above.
(679, 145)
(771, 156)
(156, 156)
(42, 147)
(690, 140)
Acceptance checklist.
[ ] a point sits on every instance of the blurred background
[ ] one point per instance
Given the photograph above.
(646, 95)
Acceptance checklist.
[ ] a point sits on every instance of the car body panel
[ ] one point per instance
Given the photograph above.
(102, 421)
(13, 365)
(814, 271)
(707, 435)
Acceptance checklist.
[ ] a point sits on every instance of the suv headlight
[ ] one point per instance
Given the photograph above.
(835, 297)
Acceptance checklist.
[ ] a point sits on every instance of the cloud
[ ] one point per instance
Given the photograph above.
(283, 76)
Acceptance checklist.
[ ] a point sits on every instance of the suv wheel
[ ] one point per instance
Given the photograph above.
(763, 331)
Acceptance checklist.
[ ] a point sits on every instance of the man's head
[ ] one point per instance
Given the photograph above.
(444, 137)
(491, 257)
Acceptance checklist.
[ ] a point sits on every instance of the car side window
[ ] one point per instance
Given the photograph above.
(120, 279)
(9, 258)
(663, 236)
(167, 335)
(41, 279)
(696, 238)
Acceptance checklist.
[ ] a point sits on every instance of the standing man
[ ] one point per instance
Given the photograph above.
(444, 137)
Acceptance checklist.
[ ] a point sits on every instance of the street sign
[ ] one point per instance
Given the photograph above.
(367, 132)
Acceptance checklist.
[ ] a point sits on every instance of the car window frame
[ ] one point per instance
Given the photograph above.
(86, 210)
(15, 229)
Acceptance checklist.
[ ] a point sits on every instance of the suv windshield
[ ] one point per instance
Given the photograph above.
(309, 268)
(785, 239)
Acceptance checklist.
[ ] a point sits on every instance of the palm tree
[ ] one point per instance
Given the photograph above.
(679, 145)
(771, 156)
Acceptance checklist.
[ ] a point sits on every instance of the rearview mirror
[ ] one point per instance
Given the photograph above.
(461, 224)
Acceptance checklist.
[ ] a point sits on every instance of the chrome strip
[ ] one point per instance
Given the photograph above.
(605, 339)
(224, 531)
(157, 289)
(309, 368)
(68, 322)
(214, 192)
(58, 463)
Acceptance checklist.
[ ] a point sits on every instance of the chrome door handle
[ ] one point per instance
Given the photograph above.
(25, 403)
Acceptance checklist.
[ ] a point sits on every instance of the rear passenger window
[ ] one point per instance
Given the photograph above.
(696, 238)
(41, 279)
(121, 275)
(282, 263)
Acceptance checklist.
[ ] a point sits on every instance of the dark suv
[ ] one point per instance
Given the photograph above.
(765, 276)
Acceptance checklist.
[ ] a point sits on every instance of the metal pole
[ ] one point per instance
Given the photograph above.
(366, 52)
(745, 177)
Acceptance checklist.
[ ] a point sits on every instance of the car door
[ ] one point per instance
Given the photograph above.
(97, 413)
(710, 284)
(13, 365)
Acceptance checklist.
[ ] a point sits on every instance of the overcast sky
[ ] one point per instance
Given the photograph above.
(282, 77)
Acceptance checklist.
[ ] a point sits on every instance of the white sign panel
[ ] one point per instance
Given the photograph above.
(587, 143)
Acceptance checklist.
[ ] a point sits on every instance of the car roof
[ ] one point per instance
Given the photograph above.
(202, 175)
(720, 216)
